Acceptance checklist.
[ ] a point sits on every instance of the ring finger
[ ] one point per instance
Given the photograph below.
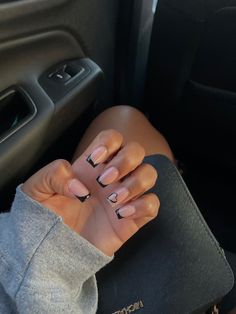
(140, 181)
(141, 210)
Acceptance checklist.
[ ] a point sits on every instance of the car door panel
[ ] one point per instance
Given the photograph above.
(92, 23)
(24, 61)
(37, 36)
(15, 9)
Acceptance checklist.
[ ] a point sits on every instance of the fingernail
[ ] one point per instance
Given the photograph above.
(97, 156)
(79, 190)
(119, 196)
(125, 211)
(108, 177)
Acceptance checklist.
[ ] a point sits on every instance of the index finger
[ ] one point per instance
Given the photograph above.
(104, 146)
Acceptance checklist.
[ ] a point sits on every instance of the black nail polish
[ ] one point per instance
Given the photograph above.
(91, 162)
(113, 198)
(118, 214)
(99, 182)
(83, 198)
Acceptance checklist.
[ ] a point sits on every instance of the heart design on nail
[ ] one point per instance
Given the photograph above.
(113, 198)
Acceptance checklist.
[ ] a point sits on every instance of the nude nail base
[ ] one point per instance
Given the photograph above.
(125, 212)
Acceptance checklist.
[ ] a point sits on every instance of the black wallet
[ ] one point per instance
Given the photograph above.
(174, 265)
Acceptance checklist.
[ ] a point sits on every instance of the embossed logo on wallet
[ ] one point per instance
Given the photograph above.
(131, 308)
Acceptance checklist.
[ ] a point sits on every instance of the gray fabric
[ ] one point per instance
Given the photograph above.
(44, 266)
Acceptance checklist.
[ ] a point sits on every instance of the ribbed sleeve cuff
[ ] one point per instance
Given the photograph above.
(38, 237)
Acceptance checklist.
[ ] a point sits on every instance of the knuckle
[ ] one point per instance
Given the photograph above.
(111, 135)
(132, 155)
(153, 205)
(137, 149)
(150, 172)
(141, 185)
(61, 166)
(128, 161)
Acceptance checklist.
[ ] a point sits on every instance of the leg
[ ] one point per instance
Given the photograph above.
(133, 125)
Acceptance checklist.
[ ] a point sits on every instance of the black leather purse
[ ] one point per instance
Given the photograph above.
(174, 265)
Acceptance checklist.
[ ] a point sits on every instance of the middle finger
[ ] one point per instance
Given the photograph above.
(126, 161)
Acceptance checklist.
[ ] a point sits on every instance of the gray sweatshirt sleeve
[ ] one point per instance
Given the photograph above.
(44, 266)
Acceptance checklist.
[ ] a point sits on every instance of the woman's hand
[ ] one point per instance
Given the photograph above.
(101, 196)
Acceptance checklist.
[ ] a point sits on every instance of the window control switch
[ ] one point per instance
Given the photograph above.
(60, 76)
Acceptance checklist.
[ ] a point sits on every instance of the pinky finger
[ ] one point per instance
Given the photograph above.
(141, 210)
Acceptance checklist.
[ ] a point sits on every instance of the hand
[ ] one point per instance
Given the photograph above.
(101, 196)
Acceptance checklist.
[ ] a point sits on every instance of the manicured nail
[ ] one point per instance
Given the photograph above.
(97, 156)
(79, 190)
(119, 196)
(108, 177)
(125, 211)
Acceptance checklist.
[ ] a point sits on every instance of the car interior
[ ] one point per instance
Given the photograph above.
(64, 61)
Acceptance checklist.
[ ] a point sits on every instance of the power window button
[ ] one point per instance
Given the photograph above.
(60, 76)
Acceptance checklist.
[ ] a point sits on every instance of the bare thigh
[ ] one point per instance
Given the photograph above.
(133, 125)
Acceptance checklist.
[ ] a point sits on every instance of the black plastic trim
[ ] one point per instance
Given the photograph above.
(30, 117)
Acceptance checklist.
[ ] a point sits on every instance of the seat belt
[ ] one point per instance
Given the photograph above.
(145, 11)
(135, 52)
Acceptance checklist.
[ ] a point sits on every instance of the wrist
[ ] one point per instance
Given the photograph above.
(107, 247)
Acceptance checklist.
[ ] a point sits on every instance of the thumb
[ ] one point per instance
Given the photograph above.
(56, 178)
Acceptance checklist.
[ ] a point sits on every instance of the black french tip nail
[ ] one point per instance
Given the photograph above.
(119, 215)
(91, 162)
(112, 198)
(99, 182)
(83, 198)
